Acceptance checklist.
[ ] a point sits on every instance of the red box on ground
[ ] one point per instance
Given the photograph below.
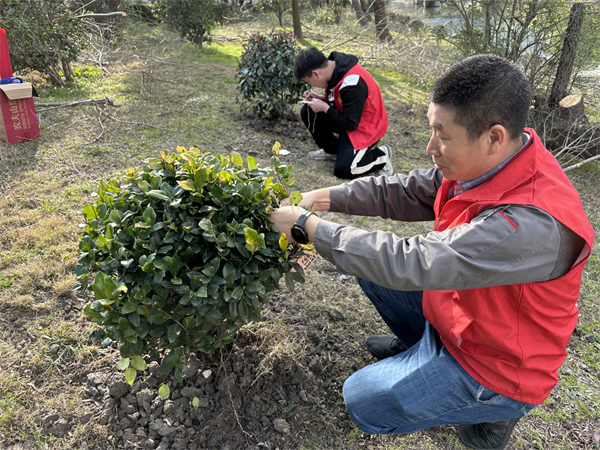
(19, 120)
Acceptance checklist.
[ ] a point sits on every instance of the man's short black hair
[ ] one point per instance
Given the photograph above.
(485, 90)
(307, 61)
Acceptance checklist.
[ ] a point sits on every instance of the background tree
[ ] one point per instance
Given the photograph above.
(529, 33)
(43, 35)
(360, 14)
(381, 26)
(567, 55)
(277, 7)
(296, 19)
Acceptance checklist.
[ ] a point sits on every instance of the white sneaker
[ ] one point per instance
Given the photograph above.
(388, 169)
(322, 155)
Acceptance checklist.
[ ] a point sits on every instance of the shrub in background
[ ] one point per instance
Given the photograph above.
(266, 74)
(43, 35)
(183, 255)
(193, 19)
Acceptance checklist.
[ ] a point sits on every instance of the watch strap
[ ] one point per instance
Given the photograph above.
(303, 218)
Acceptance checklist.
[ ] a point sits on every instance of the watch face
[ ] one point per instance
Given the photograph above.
(299, 235)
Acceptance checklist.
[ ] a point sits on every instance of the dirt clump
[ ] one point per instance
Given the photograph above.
(248, 396)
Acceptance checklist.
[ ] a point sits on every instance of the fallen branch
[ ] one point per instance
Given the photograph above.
(116, 13)
(138, 124)
(54, 105)
(579, 164)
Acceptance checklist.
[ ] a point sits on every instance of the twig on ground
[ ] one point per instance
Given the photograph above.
(55, 105)
(100, 112)
(157, 60)
(139, 123)
(116, 13)
(237, 418)
(579, 164)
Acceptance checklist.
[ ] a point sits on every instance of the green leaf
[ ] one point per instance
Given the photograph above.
(251, 163)
(130, 375)
(238, 292)
(128, 307)
(196, 402)
(296, 198)
(173, 331)
(89, 212)
(251, 236)
(161, 195)
(149, 216)
(123, 364)
(164, 392)
(188, 185)
(201, 176)
(176, 265)
(138, 363)
(293, 410)
(289, 281)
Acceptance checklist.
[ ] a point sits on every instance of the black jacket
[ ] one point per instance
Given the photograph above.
(353, 97)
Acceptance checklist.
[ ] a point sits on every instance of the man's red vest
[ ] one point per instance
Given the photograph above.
(512, 339)
(373, 122)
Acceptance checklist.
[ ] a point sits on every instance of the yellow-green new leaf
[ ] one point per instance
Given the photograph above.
(283, 242)
(296, 198)
(251, 236)
(251, 163)
(188, 185)
(164, 392)
(123, 364)
(196, 402)
(138, 363)
(130, 374)
(236, 159)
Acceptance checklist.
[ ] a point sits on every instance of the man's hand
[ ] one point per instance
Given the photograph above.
(309, 95)
(285, 218)
(317, 200)
(318, 105)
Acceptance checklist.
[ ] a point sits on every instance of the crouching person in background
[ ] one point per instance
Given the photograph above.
(350, 119)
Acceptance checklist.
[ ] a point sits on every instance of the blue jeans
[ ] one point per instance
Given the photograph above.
(423, 386)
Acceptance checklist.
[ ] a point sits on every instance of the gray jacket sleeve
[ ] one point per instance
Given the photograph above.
(488, 251)
(408, 198)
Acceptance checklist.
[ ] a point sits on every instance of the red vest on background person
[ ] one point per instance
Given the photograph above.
(512, 339)
(373, 122)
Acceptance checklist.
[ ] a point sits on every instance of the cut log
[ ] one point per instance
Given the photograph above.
(570, 108)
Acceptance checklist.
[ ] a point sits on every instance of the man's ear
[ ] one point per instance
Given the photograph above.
(498, 139)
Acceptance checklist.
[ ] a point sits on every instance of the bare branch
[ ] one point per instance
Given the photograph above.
(116, 13)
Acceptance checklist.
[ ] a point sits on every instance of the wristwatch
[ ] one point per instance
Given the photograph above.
(298, 232)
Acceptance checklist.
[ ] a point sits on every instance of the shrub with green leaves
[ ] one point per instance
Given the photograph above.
(266, 76)
(43, 35)
(193, 19)
(183, 253)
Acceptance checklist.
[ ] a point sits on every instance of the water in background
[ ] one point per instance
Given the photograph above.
(430, 16)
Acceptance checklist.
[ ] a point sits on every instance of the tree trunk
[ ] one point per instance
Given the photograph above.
(296, 19)
(571, 107)
(360, 14)
(381, 28)
(567, 56)
(67, 71)
(368, 12)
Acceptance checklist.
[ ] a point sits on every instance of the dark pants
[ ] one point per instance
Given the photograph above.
(350, 162)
